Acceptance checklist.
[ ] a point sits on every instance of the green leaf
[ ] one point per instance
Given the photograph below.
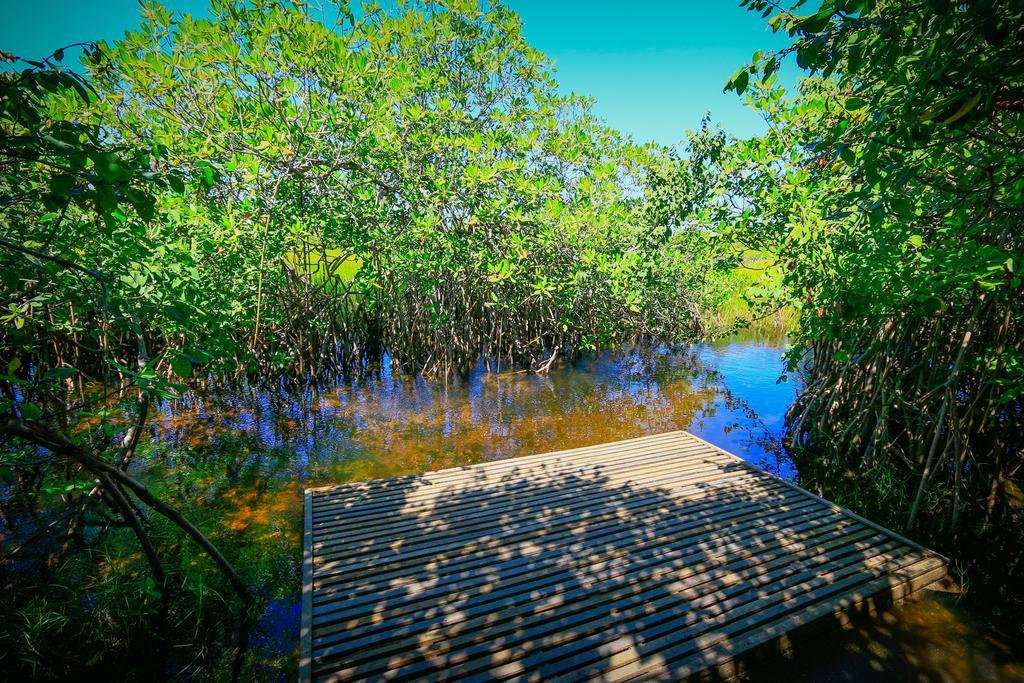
(964, 109)
(62, 184)
(206, 177)
(177, 313)
(182, 367)
(734, 80)
(30, 411)
(741, 82)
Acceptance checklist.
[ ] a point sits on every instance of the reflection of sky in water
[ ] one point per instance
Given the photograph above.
(390, 424)
(276, 633)
(750, 372)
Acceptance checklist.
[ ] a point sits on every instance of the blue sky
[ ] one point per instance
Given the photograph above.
(653, 66)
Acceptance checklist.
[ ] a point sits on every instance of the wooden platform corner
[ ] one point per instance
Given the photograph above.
(658, 558)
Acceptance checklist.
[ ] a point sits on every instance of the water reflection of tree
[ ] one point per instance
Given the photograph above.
(391, 424)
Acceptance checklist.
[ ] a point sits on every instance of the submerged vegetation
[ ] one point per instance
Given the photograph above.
(275, 197)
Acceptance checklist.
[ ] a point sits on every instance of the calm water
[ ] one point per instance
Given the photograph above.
(391, 424)
(246, 459)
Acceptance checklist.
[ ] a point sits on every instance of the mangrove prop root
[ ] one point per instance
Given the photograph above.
(907, 417)
(41, 435)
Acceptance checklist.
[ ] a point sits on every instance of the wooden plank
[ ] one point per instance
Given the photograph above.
(510, 569)
(556, 565)
(540, 647)
(655, 482)
(470, 525)
(591, 595)
(336, 572)
(666, 485)
(725, 507)
(590, 563)
(735, 540)
(424, 493)
(644, 470)
(553, 641)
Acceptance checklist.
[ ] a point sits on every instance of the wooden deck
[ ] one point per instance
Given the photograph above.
(653, 558)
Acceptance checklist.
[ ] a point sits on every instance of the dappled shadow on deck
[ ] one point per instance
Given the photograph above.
(540, 573)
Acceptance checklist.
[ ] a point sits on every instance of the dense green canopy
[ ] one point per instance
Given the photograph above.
(406, 181)
(275, 195)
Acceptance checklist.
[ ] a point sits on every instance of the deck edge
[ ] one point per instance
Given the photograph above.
(306, 624)
(838, 508)
(485, 463)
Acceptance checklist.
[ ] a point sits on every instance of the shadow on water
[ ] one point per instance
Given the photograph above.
(930, 638)
(245, 459)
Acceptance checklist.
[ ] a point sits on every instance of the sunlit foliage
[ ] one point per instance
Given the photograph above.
(487, 213)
